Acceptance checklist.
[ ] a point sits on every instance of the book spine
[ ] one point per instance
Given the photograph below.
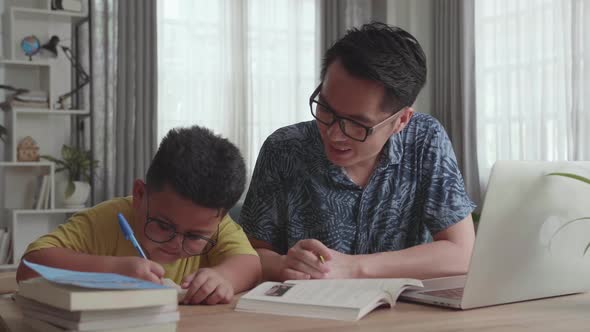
(40, 201)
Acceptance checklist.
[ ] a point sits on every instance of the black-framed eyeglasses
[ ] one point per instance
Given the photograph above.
(351, 128)
(160, 231)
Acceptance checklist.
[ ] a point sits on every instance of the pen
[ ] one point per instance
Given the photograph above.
(128, 232)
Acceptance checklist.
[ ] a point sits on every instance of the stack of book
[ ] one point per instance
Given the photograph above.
(49, 306)
(31, 99)
(42, 199)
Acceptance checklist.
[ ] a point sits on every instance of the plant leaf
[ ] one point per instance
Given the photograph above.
(78, 163)
(64, 152)
(572, 176)
(565, 225)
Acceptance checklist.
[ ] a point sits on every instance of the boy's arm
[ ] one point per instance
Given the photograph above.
(242, 271)
(234, 258)
(271, 263)
(69, 259)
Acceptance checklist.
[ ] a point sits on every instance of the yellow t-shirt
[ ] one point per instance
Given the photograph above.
(96, 232)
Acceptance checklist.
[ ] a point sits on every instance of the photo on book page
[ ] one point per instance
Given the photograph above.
(279, 290)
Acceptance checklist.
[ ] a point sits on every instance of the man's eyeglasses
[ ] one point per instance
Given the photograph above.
(351, 128)
(161, 231)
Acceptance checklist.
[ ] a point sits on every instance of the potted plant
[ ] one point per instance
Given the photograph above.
(78, 164)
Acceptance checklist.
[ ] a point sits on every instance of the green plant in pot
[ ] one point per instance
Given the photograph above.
(577, 220)
(78, 164)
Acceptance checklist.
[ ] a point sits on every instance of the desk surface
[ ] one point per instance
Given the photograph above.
(7, 282)
(565, 313)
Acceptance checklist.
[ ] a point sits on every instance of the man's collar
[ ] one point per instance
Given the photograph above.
(393, 150)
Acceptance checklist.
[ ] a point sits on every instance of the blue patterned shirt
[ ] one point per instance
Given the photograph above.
(296, 193)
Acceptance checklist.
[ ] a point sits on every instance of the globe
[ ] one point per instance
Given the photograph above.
(30, 45)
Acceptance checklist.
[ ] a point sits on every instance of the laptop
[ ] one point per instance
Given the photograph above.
(532, 241)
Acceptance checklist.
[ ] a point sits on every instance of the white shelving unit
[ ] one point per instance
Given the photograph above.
(22, 11)
(49, 127)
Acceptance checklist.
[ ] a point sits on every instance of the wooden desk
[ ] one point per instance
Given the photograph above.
(565, 313)
(8, 282)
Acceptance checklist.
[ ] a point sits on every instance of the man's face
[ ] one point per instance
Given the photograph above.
(360, 100)
(169, 212)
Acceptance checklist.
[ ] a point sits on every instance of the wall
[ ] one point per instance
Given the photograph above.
(417, 16)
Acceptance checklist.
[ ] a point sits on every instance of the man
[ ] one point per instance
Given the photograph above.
(179, 216)
(358, 192)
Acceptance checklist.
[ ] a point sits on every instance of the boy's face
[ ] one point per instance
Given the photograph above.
(161, 214)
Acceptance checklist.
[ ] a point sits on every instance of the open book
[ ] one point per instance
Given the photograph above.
(341, 299)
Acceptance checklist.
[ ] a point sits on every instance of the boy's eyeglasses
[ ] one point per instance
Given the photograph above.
(161, 231)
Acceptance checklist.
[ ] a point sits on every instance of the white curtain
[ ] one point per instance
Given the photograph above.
(240, 68)
(532, 80)
(123, 60)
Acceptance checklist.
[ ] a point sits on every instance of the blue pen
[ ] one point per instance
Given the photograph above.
(128, 232)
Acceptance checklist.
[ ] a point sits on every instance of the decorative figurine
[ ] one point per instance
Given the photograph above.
(27, 150)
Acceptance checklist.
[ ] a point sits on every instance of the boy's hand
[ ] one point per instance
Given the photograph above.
(138, 267)
(206, 286)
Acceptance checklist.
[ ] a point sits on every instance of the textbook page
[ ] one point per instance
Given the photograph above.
(393, 286)
(315, 293)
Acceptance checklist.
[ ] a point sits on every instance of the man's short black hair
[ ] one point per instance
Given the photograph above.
(385, 54)
(200, 166)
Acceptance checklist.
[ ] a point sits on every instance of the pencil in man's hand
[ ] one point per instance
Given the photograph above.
(322, 259)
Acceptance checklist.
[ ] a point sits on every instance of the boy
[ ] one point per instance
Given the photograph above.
(179, 216)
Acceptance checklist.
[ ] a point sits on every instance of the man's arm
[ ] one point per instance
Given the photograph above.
(447, 255)
(69, 259)
(301, 261)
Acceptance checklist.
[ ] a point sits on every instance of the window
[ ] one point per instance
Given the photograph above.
(530, 80)
(240, 68)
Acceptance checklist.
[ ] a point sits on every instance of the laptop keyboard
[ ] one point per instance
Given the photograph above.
(453, 293)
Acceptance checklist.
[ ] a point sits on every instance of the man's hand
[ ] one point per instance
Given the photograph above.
(303, 261)
(206, 286)
(138, 267)
(342, 266)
